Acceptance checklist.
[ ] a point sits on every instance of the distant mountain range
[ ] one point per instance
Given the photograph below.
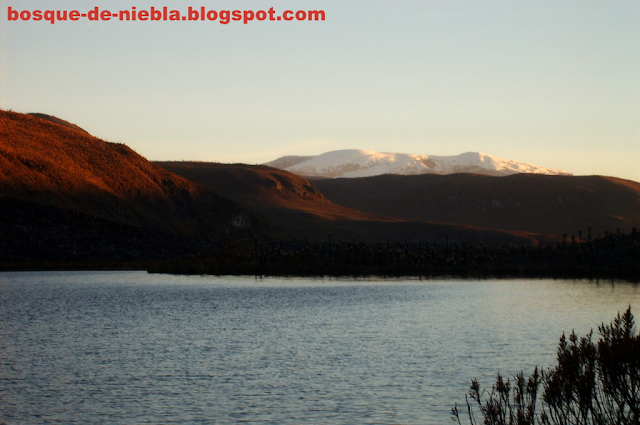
(363, 163)
(71, 199)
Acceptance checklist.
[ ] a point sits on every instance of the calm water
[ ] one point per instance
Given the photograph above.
(132, 348)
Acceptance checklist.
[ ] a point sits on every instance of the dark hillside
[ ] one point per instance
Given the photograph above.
(294, 204)
(37, 236)
(272, 191)
(552, 205)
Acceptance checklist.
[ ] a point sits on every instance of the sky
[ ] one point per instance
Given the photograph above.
(555, 83)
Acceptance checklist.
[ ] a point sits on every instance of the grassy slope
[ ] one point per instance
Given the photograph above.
(51, 164)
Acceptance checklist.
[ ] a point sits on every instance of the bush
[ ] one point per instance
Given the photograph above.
(592, 383)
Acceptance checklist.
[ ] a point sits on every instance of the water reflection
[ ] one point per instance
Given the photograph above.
(128, 347)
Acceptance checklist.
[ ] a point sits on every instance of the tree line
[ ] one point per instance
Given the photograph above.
(616, 255)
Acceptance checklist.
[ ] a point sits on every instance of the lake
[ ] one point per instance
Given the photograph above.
(137, 348)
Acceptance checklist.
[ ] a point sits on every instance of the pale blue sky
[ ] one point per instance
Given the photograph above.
(552, 83)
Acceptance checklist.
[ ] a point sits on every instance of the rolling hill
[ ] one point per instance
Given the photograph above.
(296, 206)
(48, 164)
(544, 204)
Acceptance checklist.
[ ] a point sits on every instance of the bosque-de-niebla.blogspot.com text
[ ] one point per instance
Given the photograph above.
(165, 14)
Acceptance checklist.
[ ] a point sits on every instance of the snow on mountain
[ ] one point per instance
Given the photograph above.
(363, 163)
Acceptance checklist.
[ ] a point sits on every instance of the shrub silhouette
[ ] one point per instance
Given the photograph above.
(592, 383)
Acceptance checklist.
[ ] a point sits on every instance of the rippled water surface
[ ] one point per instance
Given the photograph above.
(134, 348)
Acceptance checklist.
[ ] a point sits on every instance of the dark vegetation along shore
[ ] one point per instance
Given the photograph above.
(614, 256)
(69, 200)
(593, 383)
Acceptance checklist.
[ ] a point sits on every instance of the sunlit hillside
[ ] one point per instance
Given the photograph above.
(52, 164)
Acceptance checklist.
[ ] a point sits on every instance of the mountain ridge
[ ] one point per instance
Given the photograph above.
(528, 202)
(295, 205)
(352, 163)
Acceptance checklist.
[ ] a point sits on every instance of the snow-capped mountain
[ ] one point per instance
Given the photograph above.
(363, 163)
